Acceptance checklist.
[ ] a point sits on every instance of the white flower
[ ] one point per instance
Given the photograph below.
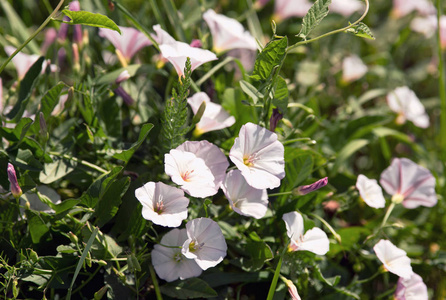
(353, 68)
(205, 243)
(411, 289)
(228, 33)
(177, 53)
(428, 26)
(395, 260)
(284, 9)
(162, 204)
(404, 102)
(23, 62)
(128, 42)
(212, 156)
(370, 192)
(243, 198)
(314, 240)
(346, 7)
(169, 263)
(402, 8)
(410, 183)
(259, 156)
(190, 172)
(214, 116)
(162, 37)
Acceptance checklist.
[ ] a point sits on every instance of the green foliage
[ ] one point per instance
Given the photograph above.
(188, 289)
(90, 19)
(362, 30)
(314, 16)
(270, 58)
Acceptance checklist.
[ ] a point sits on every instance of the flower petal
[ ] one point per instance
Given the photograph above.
(370, 192)
(395, 260)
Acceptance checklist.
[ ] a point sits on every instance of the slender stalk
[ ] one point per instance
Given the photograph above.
(441, 84)
(280, 194)
(80, 161)
(367, 5)
(32, 35)
(155, 283)
(388, 212)
(272, 288)
(337, 236)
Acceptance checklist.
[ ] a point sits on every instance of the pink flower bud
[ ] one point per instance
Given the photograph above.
(15, 188)
(305, 189)
(196, 44)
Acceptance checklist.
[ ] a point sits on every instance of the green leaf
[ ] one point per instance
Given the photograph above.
(188, 289)
(19, 131)
(90, 19)
(314, 16)
(271, 57)
(51, 99)
(281, 94)
(66, 205)
(65, 249)
(361, 30)
(26, 87)
(126, 155)
(56, 170)
(108, 205)
(37, 227)
(251, 91)
(98, 188)
(110, 78)
(347, 151)
(297, 170)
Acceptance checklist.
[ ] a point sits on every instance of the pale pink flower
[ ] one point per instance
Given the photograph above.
(394, 259)
(284, 9)
(205, 243)
(411, 289)
(177, 53)
(428, 27)
(190, 173)
(403, 101)
(16, 191)
(370, 192)
(292, 290)
(212, 156)
(228, 33)
(353, 68)
(162, 37)
(314, 240)
(402, 8)
(346, 7)
(410, 183)
(23, 62)
(259, 156)
(50, 38)
(243, 198)
(169, 263)
(128, 42)
(162, 204)
(214, 116)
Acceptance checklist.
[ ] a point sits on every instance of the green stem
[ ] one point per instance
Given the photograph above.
(32, 36)
(305, 139)
(157, 13)
(380, 270)
(85, 282)
(136, 23)
(155, 283)
(441, 84)
(337, 236)
(280, 194)
(367, 5)
(80, 161)
(272, 288)
(388, 212)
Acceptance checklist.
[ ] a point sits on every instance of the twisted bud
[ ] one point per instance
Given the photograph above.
(16, 191)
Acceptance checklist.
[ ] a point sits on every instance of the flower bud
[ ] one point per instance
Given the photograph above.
(14, 185)
(275, 118)
(124, 95)
(196, 44)
(305, 189)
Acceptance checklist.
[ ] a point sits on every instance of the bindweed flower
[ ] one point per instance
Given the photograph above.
(259, 156)
(409, 183)
(305, 189)
(428, 26)
(16, 191)
(314, 240)
(162, 37)
(162, 204)
(228, 33)
(353, 68)
(128, 100)
(128, 43)
(402, 8)
(243, 198)
(370, 192)
(214, 116)
(190, 173)
(169, 263)
(404, 102)
(177, 53)
(205, 243)
(284, 9)
(394, 259)
(346, 7)
(23, 62)
(411, 289)
(292, 290)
